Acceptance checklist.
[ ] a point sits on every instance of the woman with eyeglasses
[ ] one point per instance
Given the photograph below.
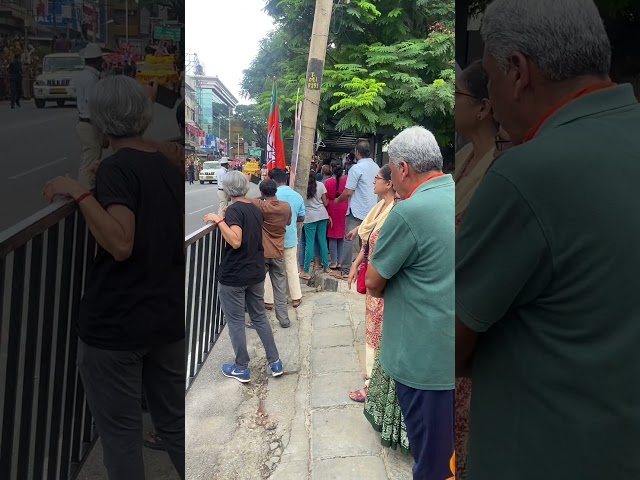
(474, 121)
(503, 143)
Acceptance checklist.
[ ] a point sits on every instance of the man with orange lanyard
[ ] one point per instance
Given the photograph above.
(412, 268)
(547, 257)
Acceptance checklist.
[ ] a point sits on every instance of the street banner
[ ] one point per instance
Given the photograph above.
(275, 143)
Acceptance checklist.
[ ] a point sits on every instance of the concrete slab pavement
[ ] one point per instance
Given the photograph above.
(301, 425)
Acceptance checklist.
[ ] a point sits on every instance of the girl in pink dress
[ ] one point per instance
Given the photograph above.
(337, 213)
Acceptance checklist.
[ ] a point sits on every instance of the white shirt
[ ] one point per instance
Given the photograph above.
(360, 180)
(314, 208)
(220, 173)
(86, 83)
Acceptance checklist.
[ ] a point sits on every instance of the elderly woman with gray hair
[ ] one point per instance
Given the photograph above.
(131, 322)
(241, 277)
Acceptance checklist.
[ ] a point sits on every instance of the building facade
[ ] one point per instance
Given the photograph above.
(212, 106)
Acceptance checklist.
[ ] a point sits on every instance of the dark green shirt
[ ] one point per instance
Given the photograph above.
(547, 271)
(414, 252)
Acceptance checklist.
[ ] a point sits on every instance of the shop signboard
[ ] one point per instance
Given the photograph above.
(58, 13)
(161, 32)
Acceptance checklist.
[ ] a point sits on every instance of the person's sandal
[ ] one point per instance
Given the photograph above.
(305, 276)
(153, 441)
(358, 395)
(333, 266)
(296, 303)
(268, 306)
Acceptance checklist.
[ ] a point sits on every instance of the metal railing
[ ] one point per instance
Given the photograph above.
(203, 314)
(47, 429)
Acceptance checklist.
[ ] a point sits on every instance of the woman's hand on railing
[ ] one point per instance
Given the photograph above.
(63, 187)
(211, 218)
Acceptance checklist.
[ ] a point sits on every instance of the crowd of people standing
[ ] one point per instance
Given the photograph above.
(402, 217)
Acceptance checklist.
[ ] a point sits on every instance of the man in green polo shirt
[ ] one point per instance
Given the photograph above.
(413, 269)
(547, 256)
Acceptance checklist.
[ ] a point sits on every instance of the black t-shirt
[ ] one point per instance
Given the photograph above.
(245, 266)
(138, 303)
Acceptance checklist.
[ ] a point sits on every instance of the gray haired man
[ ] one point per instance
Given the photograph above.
(547, 258)
(412, 268)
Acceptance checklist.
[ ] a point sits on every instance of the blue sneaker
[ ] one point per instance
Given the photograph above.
(276, 368)
(231, 371)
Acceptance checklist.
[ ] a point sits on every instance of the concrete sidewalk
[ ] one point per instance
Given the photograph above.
(301, 425)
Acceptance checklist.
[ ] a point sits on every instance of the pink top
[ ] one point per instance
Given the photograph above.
(337, 213)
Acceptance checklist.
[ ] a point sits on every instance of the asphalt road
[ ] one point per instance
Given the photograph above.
(36, 145)
(203, 199)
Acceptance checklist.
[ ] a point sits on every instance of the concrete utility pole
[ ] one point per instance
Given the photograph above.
(315, 68)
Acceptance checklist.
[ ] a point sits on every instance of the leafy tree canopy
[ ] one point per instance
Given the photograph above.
(608, 8)
(254, 124)
(389, 65)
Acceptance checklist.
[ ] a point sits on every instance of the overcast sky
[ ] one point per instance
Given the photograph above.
(225, 34)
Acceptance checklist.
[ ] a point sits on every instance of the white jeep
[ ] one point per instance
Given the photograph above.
(209, 172)
(55, 84)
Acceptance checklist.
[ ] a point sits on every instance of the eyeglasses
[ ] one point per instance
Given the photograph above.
(378, 177)
(458, 92)
(501, 143)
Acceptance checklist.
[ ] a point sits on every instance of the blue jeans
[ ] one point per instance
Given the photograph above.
(316, 231)
(335, 248)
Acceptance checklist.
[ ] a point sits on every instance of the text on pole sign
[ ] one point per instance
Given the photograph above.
(314, 74)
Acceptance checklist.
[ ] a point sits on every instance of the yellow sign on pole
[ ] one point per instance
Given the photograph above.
(314, 74)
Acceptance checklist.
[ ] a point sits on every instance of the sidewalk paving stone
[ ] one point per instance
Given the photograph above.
(332, 390)
(351, 468)
(334, 360)
(343, 432)
(331, 317)
(333, 337)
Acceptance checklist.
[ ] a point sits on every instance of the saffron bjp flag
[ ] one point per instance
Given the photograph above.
(275, 143)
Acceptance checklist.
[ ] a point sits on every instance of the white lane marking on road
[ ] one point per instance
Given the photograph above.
(193, 191)
(39, 167)
(205, 208)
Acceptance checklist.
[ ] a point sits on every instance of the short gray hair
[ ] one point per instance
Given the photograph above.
(418, 147)
(120, 107)
(235, 184)
(564, 38)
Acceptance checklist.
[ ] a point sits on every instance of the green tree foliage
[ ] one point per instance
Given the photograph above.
(608, 8)
(254, 123)
(622, 21)
(389, 65)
